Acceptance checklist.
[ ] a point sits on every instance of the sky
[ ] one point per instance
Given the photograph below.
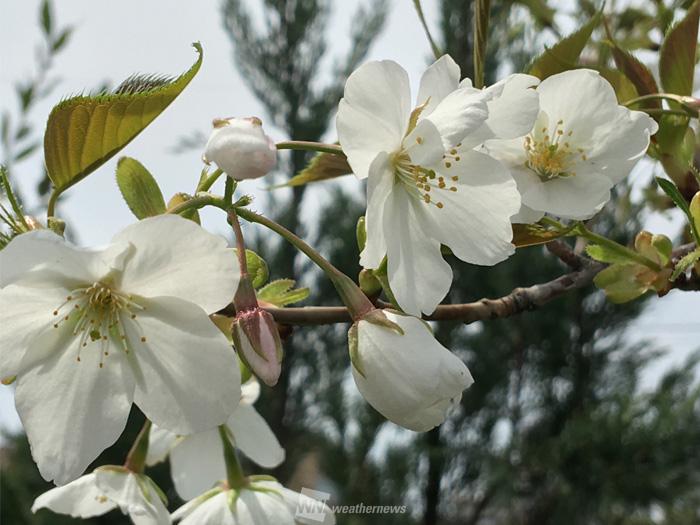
(110, 43)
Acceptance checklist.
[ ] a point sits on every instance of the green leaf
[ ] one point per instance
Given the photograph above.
(282, 292)
(672, 191)
(695, 210)
(45, 17)
(61, 40)
(677, 55)
(257, 268)
(606, 255)
(686, 262)
(624, 88)
(323, 166)
(564, 55)
(639, 74)
(84, 132)
(139, 189)
(620, 282)
(540, 11)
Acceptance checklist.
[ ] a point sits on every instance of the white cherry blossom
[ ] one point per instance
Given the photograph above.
(262, 502)
(106, 489)
(409, 377)
(582, 144)
(427, 184)
(197, 460)
(89, 332)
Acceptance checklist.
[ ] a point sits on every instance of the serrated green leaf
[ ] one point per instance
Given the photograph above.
(619, 282)
(677, 55)
(638, 74)
(672, 191)
(605, 254)
(685, 262)
(282, 292)
(624, 89)
(139, 189)
(564, 55)
(84, 132)
(323, 166)
(257, 268)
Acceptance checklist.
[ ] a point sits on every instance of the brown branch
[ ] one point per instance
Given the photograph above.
(518, 301)
(565, 254)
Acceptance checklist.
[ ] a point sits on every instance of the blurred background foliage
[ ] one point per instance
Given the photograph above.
(555, 430)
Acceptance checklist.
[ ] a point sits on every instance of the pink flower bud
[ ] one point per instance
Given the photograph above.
(258, 344)
(240, 148)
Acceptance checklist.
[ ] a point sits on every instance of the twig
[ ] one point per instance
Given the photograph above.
(518, 301)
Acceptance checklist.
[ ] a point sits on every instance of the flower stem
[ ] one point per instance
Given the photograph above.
(199, 201)
(229, 188)
(357, 302)
(234, 473)
(244, 298)
(482, 11)
(136, 458)
(584, 232)
(311, 146)
(209, 181)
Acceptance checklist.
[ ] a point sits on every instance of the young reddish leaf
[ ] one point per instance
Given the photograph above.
(677, 55)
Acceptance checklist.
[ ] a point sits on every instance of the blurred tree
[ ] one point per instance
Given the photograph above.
(283, 64)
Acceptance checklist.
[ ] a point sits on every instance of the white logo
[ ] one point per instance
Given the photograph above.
(310, 506)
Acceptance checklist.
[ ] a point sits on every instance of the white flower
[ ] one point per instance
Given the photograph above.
(240, 148)
(427, 185)
(106, 489)
(409, 378)
(197, 460)
(582, 144)
(88, 333)
(260, 503)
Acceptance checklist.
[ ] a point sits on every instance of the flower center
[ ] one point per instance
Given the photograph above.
(552, 156)
(94, 313)
(424, 183)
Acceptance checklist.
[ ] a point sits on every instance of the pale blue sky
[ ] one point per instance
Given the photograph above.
(153, 36)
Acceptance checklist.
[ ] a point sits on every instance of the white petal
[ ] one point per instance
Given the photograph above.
(582, 99)
(70, 410)
(250, 391)
(197, 463)
(122, 487)
(513, 113)
(577, 197)
(80, 499)
(411, 379)
(373, 114)
(27, 313)
(424, 144)
(44, 260)
(379, 188)
(418, 275)
(262, 507)
(438, 81)
(254, 437)
(213, 511)
(619, 147)
(168, 260)
(460, 113)
(526, 216)
(188, 380)
(160, 443)
(475, 220)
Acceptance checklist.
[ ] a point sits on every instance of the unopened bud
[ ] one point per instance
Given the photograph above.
(258, 344)
(240, 148)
